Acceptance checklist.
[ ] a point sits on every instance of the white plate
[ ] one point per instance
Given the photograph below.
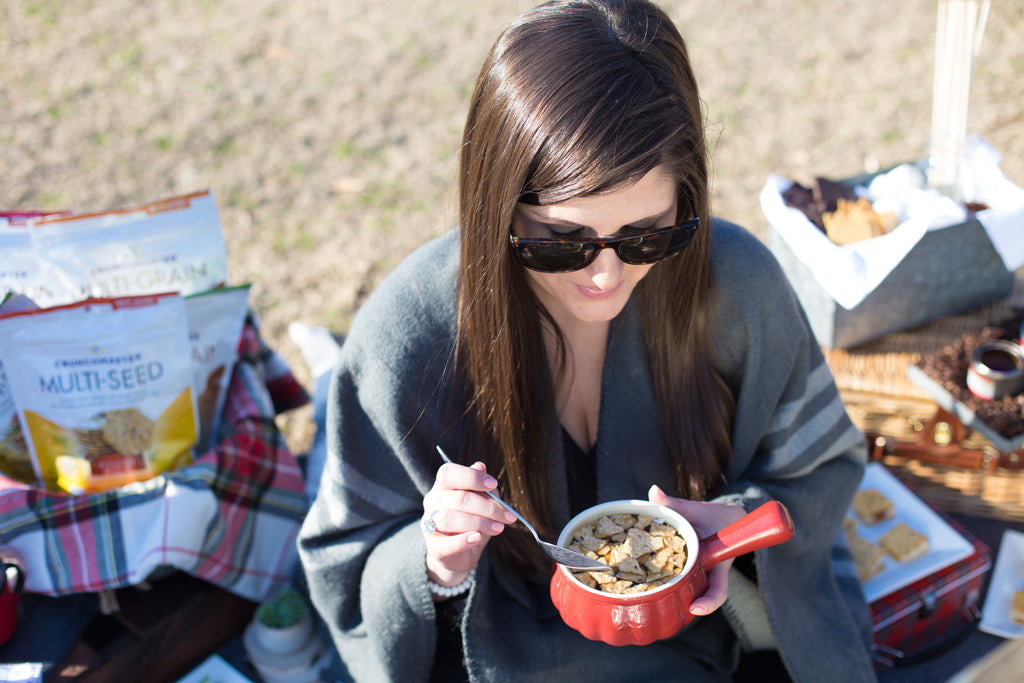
(945, 545)
(214, 669)
(1007, 578)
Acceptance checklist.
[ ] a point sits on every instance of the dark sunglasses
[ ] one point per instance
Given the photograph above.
(564, 256)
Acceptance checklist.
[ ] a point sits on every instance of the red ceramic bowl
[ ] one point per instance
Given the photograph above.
(642, 618)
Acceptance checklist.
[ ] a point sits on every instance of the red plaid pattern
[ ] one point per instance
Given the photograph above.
(918, 617)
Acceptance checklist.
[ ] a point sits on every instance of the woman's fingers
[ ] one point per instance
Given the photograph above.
(718, 590)
(459, 489)
(459, 477)
(455, 520)
(706, 518)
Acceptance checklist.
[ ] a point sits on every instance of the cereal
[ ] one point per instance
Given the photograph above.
(643, 551)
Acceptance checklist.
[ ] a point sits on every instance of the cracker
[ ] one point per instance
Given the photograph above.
(629, 565)
(128, 430)
(656, 529)
(1017, 613)
(638, 543)
(606, 527)
(849, 526)
(586, 539)
(854, 221)
(903, 543)
(871, 506)
(866, 556)
(658, 561)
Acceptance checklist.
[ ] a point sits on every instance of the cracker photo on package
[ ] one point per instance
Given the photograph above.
(103, 389)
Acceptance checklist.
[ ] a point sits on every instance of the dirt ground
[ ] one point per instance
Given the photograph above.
(328, 129)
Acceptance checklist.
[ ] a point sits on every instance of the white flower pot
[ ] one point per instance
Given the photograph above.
(284, 640)
(294, 654)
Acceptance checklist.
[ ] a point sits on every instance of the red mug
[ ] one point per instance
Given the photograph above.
(12, 579)
(642, 618)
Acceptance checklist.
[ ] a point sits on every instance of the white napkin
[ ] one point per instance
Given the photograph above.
(850, 272)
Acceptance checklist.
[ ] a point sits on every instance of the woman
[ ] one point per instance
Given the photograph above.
(588, 334)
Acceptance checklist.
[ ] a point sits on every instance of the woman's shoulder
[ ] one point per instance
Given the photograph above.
(416, 301)
(738, 257)
(754, 301)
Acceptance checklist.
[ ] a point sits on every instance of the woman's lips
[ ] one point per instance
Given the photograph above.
(598, 293)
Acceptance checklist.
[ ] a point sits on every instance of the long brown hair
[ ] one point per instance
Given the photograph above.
(577, 98)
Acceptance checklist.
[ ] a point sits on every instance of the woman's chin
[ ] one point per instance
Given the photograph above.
(597, 311)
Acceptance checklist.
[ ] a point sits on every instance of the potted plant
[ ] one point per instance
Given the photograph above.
(284, 623)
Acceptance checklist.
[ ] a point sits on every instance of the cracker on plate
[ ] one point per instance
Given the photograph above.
(903, 543)
(866, 556)
(871, 506)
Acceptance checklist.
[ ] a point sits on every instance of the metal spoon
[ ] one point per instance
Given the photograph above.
(564, 556)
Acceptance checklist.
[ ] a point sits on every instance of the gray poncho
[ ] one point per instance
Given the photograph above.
(362, 548)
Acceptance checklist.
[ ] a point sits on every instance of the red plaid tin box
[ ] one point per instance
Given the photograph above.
(921, 618)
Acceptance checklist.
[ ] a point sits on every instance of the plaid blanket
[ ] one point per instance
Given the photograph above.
(231, 517)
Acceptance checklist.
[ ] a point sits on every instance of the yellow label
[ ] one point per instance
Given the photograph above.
(173, 435)
(50, 441)
(66, 466)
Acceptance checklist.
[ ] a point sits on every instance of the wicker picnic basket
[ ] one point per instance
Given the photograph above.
(882, 400)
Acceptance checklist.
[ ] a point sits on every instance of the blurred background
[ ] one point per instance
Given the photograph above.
(328, 130)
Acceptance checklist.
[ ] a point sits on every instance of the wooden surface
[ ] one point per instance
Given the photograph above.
(1005, 663)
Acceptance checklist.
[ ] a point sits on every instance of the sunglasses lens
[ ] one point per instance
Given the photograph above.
(653, 248)
(556, 257)
(565, 257)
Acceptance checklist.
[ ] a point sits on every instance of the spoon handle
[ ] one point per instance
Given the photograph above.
(497, 499)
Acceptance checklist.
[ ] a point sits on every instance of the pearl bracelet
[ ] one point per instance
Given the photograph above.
(450, 591)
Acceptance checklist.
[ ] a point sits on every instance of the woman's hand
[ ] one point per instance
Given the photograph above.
(464, 517)
(706, 518)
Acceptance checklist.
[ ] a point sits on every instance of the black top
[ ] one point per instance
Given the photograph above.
(580, 473)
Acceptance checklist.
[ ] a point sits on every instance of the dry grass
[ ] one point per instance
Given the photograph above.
(328, 130)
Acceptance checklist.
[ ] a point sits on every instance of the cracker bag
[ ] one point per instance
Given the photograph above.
(215, 320)
(14, 459)
(20, 270)
(172, 245)
(103, 389)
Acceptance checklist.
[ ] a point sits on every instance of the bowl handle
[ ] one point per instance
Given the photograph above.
(768, 525)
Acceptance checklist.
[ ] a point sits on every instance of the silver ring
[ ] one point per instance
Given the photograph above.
(428, 523)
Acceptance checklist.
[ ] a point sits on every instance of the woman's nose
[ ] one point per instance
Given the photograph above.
(606, 270)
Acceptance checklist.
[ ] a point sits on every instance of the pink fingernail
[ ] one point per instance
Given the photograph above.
(497, 527)
(490, 482)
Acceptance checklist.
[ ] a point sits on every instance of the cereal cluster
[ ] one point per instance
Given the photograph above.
(643, 552)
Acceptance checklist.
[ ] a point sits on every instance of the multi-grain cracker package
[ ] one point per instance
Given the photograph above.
(215, 321)
(20, 270)
(172, 245)
(103, 389)
(14, 458)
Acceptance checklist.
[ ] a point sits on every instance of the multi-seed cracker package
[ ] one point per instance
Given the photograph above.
(14, 459)
(103, 389)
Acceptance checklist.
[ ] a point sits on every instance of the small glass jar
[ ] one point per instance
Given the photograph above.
(996, 370)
